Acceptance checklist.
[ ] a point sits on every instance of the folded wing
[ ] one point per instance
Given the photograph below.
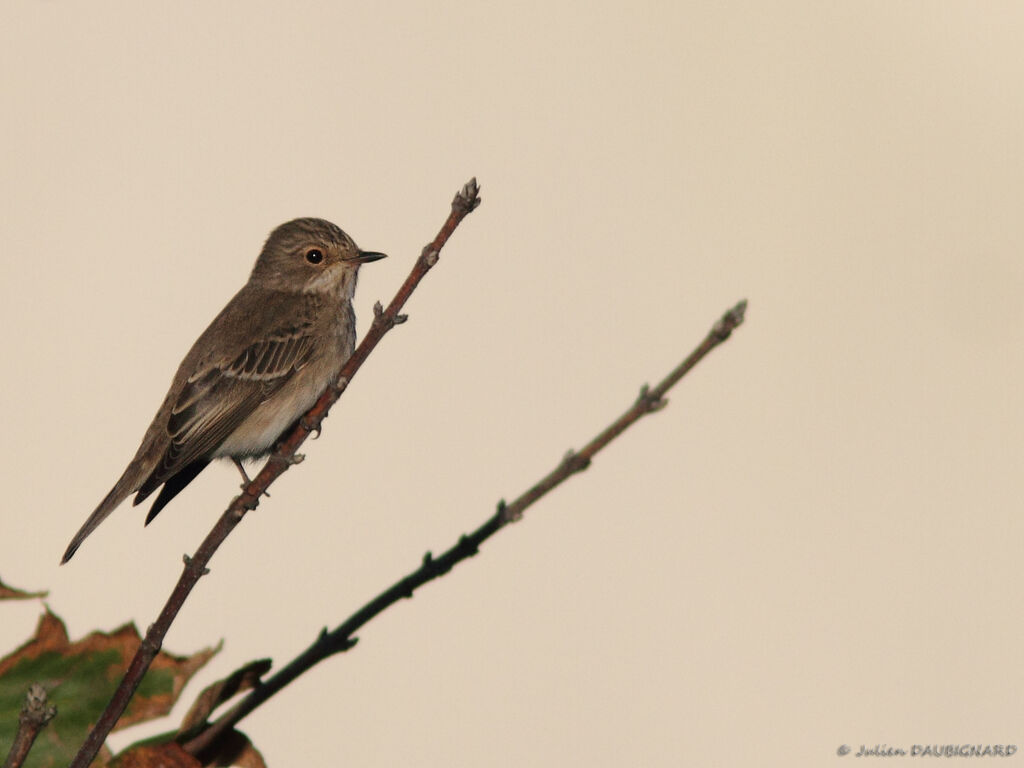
(215, 401)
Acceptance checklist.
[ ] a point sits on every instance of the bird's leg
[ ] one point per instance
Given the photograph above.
(245, 477)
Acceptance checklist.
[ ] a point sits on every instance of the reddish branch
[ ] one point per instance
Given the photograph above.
(283, 457)
(341, 639)
(35, 715)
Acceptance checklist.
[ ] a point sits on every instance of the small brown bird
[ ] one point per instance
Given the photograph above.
(260, 365)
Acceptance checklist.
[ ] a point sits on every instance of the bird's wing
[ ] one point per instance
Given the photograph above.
(218, 397)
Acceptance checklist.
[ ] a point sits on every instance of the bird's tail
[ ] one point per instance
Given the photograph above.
(117, 494)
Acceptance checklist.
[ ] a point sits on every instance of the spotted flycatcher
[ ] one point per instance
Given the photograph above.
(261, 364)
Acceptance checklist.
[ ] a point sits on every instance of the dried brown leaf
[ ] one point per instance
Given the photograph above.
(242, 679)
(166, 755)
(10, 593)
(233, 749)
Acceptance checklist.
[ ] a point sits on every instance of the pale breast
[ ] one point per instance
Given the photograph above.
(257, 434)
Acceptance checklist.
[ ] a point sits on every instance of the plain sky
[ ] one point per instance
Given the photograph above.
(817, 543)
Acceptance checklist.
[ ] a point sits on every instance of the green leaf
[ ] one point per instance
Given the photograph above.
(80, 678)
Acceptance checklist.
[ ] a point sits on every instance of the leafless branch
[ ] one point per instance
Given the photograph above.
(284, 456)
(341, 638)
(35, 715)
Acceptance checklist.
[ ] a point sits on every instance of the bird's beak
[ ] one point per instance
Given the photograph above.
(365, 257)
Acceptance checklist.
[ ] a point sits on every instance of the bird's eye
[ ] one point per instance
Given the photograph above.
(314, 256)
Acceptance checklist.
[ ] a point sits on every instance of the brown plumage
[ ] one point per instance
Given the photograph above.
(259, 366)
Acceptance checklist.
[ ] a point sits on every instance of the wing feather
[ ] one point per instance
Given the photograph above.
(218, 398)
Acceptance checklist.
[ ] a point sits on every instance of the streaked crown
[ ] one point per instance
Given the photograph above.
(310, 254)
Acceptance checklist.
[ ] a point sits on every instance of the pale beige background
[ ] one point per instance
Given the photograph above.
(817, 543)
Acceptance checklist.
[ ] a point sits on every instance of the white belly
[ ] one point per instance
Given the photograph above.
(257, 434)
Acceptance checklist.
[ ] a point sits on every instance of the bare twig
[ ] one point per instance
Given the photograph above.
(35, 715)
(465, 202)
(340, 639)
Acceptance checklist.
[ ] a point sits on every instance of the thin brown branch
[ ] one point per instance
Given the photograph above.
(35, 715)
(341, 638)
(465, 202)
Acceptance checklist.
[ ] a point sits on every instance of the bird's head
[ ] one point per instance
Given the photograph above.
(311, 255)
